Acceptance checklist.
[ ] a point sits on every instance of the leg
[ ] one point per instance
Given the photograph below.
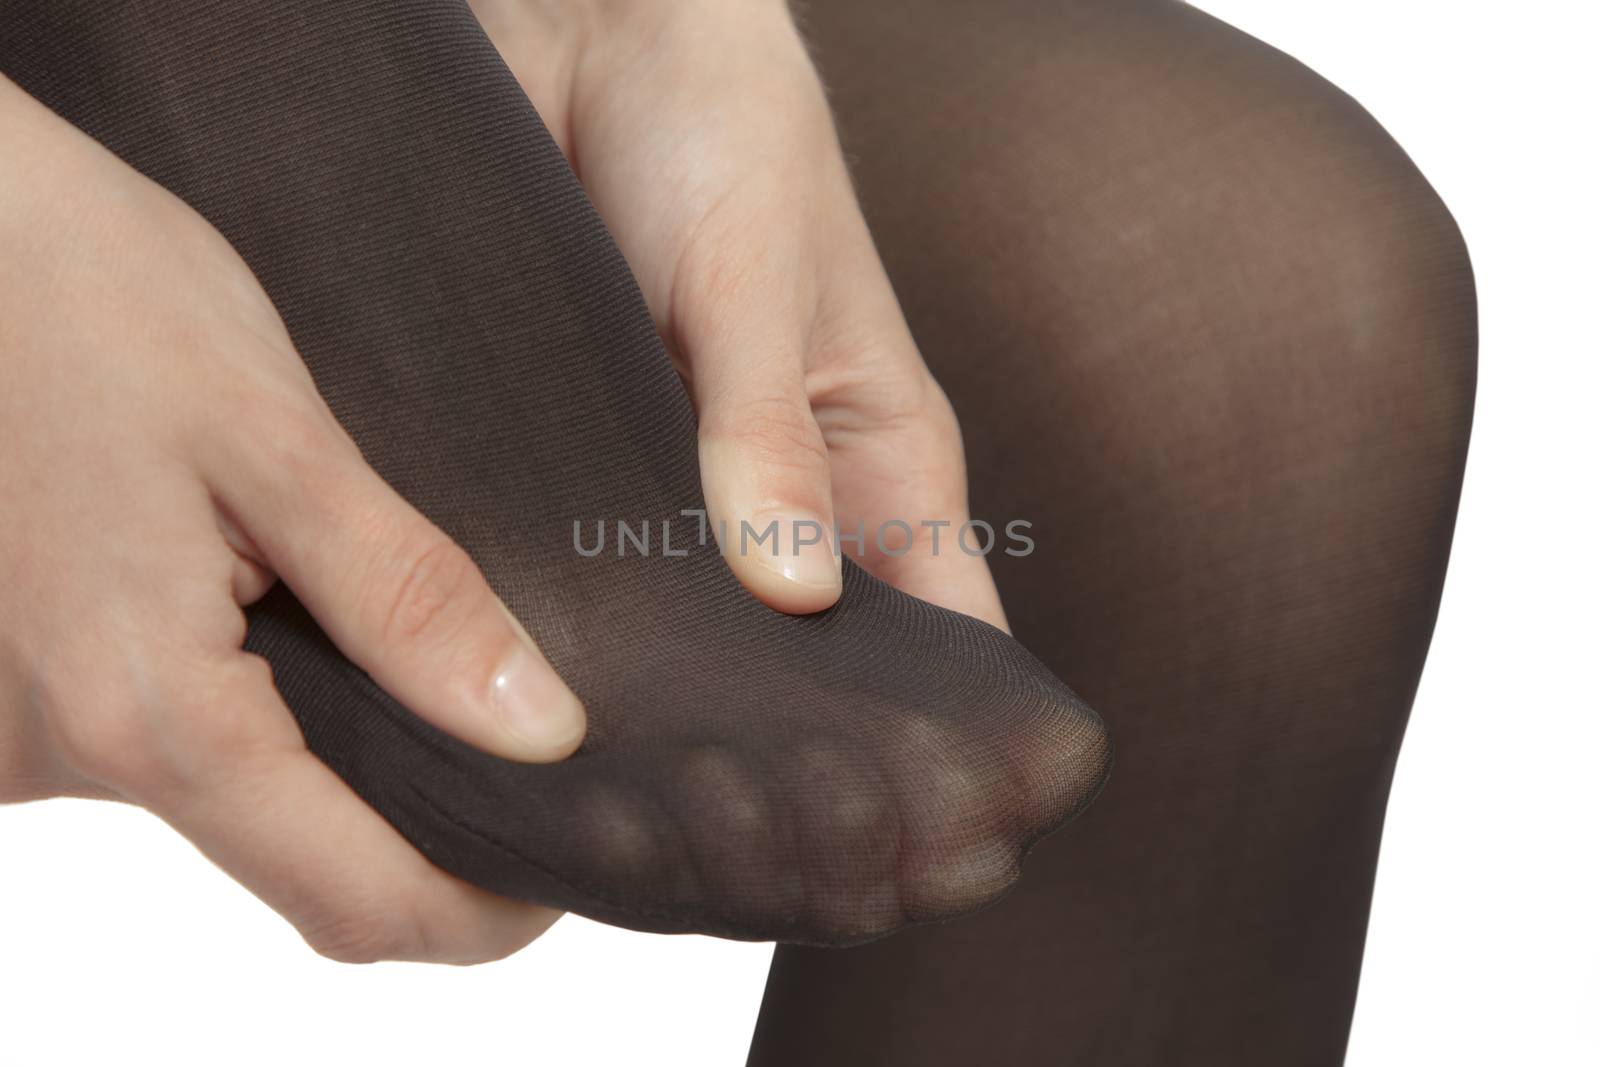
(821, 779)
(1207, 327)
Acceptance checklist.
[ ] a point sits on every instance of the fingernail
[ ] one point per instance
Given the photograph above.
(533, 703)
(796, 545)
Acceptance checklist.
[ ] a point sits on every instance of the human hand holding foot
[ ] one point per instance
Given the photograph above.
(167, 458)
(824, 778)
(702, 134)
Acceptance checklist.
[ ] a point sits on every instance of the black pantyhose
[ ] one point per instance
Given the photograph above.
(1240, 326)
(821, 779)
(1205, 326)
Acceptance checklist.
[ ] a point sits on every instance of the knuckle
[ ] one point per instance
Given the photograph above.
(358, 938)
(299, 439)
(399, 925)
(103, 734)
(149, 733)
(777, 433)
(904, 398)
(299, 436)
(214, 726)
(865, 390)
(432, 593)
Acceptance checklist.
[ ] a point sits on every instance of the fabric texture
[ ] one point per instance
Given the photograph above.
(823, 779)
(1238, 327)
(1205, 326)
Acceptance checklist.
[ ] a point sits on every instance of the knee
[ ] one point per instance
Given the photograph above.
(1165, 208)
(1293, 211)
(1227, 201)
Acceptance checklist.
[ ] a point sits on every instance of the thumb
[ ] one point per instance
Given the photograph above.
(400, 599)
(764, 468)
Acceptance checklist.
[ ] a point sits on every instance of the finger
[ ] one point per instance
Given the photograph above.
(397, 596)
(923, 540)
(954, 576)
(900, 482)
(763, 462)
(907, 521)
(241, 785)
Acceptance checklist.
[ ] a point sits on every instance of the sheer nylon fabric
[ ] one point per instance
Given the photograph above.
(1237, 327)
(822, 779)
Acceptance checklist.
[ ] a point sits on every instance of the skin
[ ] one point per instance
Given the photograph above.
(145, 367)
(701, 132)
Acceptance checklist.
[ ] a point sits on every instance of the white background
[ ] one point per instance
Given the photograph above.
(115, 937)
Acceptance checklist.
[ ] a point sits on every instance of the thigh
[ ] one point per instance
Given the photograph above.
(1213, 335)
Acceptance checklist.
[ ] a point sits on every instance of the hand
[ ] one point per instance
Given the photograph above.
(166, 457)
(702, 134)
